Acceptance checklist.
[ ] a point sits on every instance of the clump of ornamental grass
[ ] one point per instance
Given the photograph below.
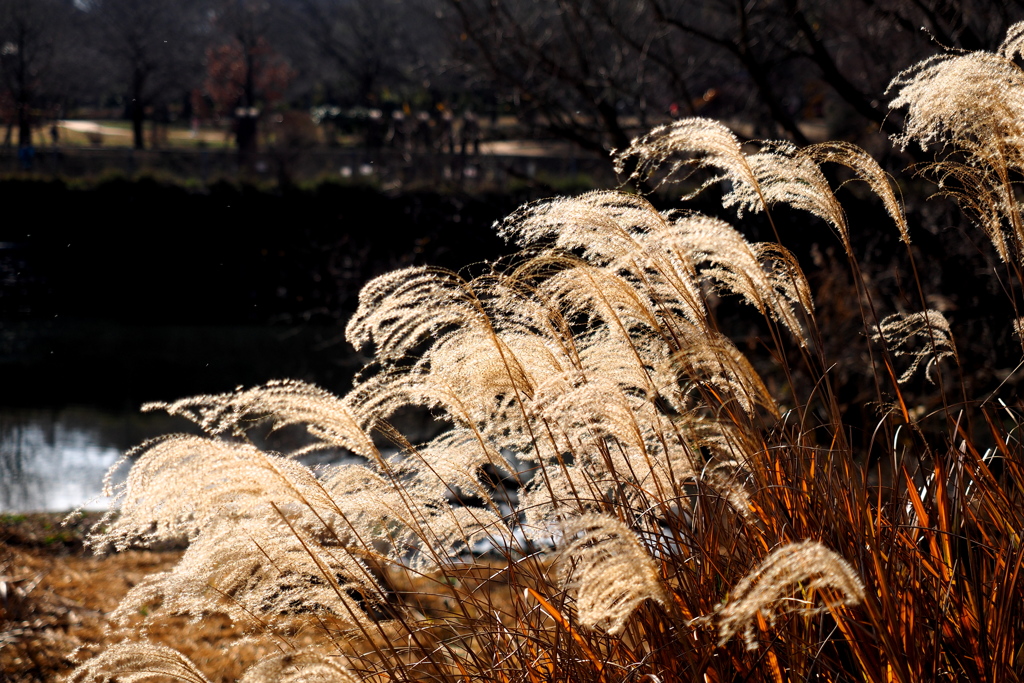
(622, 491)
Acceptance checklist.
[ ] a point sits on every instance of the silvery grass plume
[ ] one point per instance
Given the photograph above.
(299, 667)
(281, 403)
(970, 105)
(265, 572)
(866, 169)
(924, 336)
(768, 591)
(573, 349)
(181, 484)
(138, 662)
(591, 361)
(145, 662)
(775, 173)
(608, 570)
(686, 144)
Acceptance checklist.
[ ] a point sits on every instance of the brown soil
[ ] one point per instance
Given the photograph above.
(56, 596)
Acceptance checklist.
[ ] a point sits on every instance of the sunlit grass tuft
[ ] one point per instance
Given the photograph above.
(621, 491)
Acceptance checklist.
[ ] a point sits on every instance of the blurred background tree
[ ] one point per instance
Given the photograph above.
(152, 52)
(359, 49)
(590, 72)
(597, 71)
(39, 43)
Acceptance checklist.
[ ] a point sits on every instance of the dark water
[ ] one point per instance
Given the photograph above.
(71, 392)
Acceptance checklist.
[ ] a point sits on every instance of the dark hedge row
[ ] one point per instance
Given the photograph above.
(128, 290)
(142, 251)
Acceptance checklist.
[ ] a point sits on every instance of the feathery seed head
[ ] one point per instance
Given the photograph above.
(971, 103)
(179, 484)
(260, 570)
(132, 662)
(971, 100)
(608, 570)
(1013, 44)
(768, 589)
(701, 143)
(929, 329)
(299, 667)
(281, 403)
(867, 169)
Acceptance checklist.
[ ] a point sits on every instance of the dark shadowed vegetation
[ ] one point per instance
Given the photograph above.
(165, 278)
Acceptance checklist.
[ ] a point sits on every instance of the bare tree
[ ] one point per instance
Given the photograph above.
(790, 48)
(858, 46)
(244, 69)
(564, 63)
(154, 49)
(593, 71)
(34, 36)
(362, 47)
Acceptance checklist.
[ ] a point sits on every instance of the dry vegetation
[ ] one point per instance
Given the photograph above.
(620, 495)
(54, 600)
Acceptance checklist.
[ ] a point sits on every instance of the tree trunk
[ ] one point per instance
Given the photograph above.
(24, 126)
(138, 110)
(245, 134)
(138, 128)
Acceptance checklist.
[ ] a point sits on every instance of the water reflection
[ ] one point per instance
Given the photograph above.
(56, 460)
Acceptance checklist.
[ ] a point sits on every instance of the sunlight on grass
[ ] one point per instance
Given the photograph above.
(620, 490)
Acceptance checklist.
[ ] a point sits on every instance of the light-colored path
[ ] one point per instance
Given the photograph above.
(93, 127)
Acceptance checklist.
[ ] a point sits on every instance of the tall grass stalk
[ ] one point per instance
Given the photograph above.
(620, 491)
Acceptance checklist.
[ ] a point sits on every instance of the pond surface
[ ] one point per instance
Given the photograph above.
(55, 460)
(72, 389)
